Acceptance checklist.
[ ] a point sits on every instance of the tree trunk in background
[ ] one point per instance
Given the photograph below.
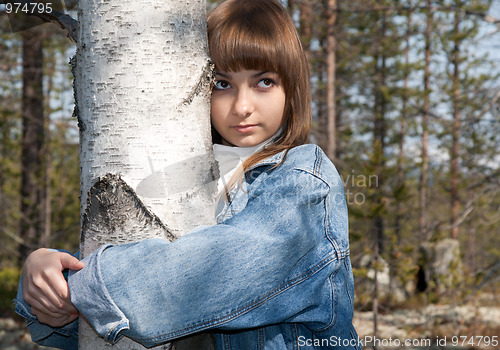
(402, 133)
(379, 132)
(142, 90)
(455, 147)
(471, 244)
(50, 73)
(5, 141)
(331, 47)
(400, 192)
(305, 27)
(319, 95)
(31, 227)
(340, 126)
(424, 170)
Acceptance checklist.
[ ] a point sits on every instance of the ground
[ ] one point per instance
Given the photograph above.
(469, 326)
(475, 325)
(14, 336)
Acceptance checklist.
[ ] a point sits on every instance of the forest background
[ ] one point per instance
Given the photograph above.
(406, 104)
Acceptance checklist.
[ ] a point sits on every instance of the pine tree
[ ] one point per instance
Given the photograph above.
(32, 225)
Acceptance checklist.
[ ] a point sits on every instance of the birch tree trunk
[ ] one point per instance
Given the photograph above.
(142, 76)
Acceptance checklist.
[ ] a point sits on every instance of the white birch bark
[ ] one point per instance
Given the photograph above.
(142, 92)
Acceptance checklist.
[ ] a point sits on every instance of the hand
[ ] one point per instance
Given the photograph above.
(45, 288)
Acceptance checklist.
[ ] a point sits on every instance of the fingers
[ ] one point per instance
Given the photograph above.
(45, 287)
(54, 321)
(55, 289)
(41, 295)
(70, 262)
(44, 307)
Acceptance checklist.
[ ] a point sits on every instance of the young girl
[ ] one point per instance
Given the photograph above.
(274, 272)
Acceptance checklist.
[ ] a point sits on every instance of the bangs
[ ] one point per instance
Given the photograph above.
(239, 50)
(247, 40)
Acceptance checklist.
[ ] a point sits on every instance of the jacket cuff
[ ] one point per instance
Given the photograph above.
(63, 337)
(91, 297)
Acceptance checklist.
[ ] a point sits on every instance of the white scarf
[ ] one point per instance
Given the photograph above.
(231, 159)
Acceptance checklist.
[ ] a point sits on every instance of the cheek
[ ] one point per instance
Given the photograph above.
(214, 109)
(279, 109)
(219, 103)
(213, 103)
(217, 114)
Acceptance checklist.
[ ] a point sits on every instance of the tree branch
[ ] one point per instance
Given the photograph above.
(63, 20)
(484, 16)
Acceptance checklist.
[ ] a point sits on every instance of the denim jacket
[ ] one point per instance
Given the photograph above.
(274, 273)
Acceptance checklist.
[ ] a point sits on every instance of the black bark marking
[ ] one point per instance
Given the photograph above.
(113, 209)
(207, 77)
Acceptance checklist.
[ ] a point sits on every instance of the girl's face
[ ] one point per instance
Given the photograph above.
(247, 106)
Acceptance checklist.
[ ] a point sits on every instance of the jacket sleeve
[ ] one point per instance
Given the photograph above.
(62, 338)
(262, 266)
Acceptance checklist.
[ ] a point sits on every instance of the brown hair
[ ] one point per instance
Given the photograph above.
(261, 35)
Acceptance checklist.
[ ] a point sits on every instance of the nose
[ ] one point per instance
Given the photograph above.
(243, 105)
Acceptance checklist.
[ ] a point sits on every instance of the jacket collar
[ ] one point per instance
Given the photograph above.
(273, 160)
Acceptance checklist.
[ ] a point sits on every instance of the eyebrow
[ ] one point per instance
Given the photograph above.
(259, 74)
(227, 76)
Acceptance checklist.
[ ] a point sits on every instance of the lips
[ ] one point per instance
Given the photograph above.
(245, 128)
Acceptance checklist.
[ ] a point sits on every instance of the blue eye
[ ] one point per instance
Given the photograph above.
(221, 85)
(265, 83)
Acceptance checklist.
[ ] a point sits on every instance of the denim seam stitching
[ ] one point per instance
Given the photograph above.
(261, 338)
(227, 342)
(314, 174)
(354, 335)
(334, 295)
(349, 294)
(328, 230)
(336, 249)
(317, 162)
(23, 311)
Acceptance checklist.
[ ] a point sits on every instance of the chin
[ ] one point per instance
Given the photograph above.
(246, 143)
